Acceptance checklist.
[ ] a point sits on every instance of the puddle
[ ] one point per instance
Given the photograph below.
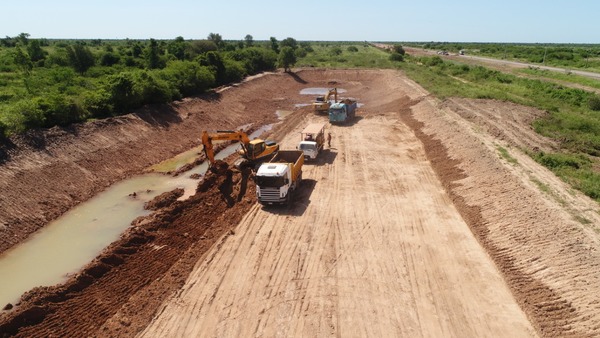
(70, 242)
(319, 91)
(282, 114)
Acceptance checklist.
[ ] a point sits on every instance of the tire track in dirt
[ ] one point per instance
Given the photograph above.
(372, 247)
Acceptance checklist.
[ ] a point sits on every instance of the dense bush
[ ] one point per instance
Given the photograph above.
(60, 82)
(255, 59)
(188, 77)
(594, 103)
(234, 71)
(396, 57)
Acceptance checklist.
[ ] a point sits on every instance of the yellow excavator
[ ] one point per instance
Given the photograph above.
(321, 105)
(253, 152)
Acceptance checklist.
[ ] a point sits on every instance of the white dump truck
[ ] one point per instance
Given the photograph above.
(312, 140)
(277, 179)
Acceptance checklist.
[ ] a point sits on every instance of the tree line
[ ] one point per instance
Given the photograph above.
(46, 83)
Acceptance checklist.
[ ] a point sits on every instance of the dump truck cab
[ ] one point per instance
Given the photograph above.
(277, 179)
(312, 140)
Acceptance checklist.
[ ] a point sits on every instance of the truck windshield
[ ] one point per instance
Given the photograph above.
(305, 146)
(269, 181)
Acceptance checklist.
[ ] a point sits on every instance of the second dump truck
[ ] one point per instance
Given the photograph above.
(312, 140)
(343, 111)
(277, 179)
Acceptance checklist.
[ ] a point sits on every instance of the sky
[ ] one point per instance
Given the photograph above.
(520, 21)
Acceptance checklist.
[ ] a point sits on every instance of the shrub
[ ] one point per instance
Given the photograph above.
(594, 103)
(23, 115)
(234, 71)
(59, 110)
(188, 77)
(352, 49)
(153, 89)
(398, 49)
(108, 59)
(122, 94)
(301, 52)
(98, 103)
(396, 57)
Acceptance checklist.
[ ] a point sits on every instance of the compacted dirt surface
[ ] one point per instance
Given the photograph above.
(423, 218)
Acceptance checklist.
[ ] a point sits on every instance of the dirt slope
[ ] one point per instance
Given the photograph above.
(412, 224)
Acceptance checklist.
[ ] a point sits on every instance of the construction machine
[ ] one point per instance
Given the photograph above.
(253, 152)
(321, 105)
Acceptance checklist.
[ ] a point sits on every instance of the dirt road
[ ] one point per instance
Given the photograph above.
(372, 246)
(425, 218)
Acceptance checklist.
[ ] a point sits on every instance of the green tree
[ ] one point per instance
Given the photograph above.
(23, 38)
(152, 55)
(287, 58)
(256, 59)
(80, 58)
(249, 40)
(217, 39)
(214, 61)
(35, 51)
(122, 93)
(177, 48)
(289, 42)
(109, 59)
(23, 61)
(136, 50)
(274, 45)
(201, 46)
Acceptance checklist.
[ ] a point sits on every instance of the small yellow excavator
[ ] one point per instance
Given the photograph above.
(321, 105)
(253, 152)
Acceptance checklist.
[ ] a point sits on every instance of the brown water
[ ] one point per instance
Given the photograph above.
(64, 246)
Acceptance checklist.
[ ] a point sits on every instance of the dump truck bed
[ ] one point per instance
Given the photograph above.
(314, 128)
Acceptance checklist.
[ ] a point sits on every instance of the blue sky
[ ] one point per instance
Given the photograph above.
(534, 21)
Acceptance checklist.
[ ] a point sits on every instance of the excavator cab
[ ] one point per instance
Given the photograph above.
(321, 104)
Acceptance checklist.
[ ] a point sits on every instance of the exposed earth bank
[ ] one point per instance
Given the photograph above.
(541, 236)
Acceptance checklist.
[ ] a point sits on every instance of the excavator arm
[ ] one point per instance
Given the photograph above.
(222, 135)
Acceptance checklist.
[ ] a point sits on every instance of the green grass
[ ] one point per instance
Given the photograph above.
(505, 155)
(566, 76)
(324, 56)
